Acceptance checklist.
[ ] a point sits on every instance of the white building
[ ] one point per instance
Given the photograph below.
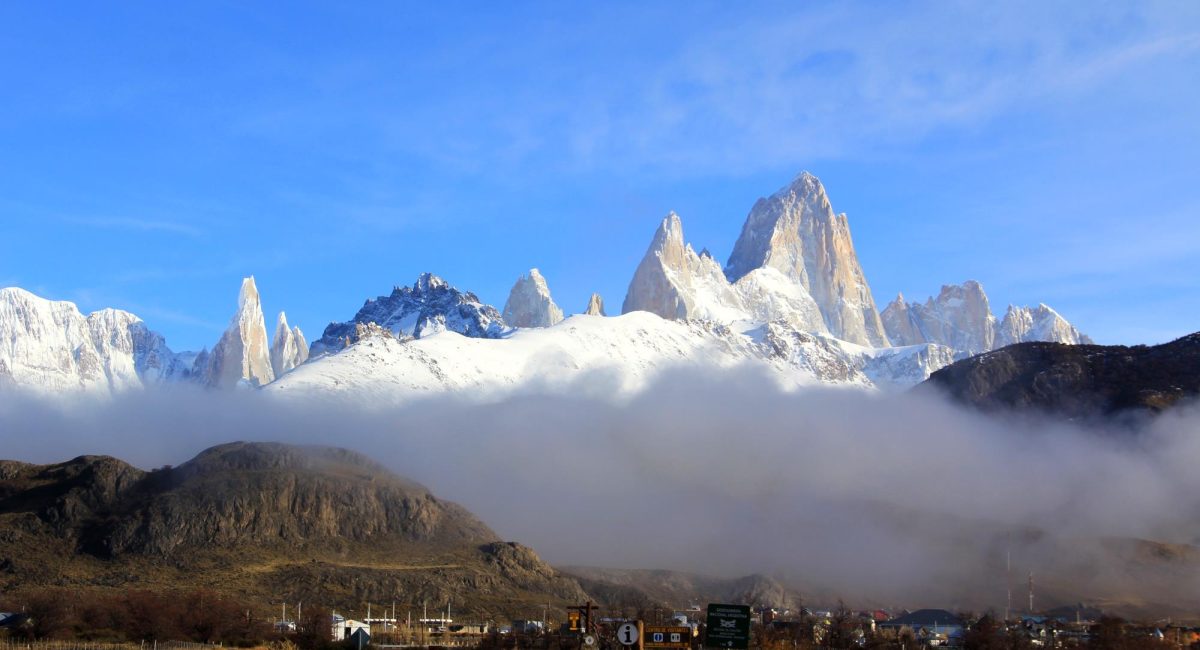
(344, 627)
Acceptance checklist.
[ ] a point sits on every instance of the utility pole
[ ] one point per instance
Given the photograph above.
(1031, 592)
(1008, 581)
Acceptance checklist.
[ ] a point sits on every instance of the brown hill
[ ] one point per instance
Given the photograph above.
(649, 588)
(1077, 381)
(269, 522)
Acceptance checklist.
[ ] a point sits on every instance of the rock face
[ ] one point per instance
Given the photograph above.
(49, 345)
(242, 356)
(676, 283)
(429, 306)
(595, 306)
(1042, 323)
(288, 349)
(529, 303)
(795, 232)
(265, 516)
(1077, 381)
(901, 325)
(961, 318)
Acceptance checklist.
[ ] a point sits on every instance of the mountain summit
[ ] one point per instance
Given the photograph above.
(796, 232)
(529, 303)
(243, 355)
(677, 284)
(961, 318)
(429, 306)
(289, 348)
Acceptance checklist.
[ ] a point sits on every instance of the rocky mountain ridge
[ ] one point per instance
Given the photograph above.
(52, 345)
(961, 318)
(429, 306)
(1081, 381)
(259, 519)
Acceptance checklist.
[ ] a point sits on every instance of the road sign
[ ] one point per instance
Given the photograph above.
(589, 640)
(727, 626)
(667, 636)
(627, 634)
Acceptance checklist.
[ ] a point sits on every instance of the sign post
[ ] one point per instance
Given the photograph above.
(727, 626)
(660, 637)
(629, 634)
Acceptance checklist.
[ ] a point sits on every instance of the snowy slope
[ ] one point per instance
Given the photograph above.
(50, 346)
(594, 355)
(614, 355)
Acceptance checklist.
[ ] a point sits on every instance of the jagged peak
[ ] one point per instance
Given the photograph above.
(595, 306)
(535, 275)
(248, 293)
(428, 281)
(671, 228)
(966, 287)
(805, 183)
(282, 329)
(530, 304)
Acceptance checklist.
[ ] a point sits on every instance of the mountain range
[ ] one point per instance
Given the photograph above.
(792, 300)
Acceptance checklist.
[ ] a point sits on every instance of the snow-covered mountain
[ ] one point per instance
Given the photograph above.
(594, 356)
(1039, 323)
(961, 318)
(792, 300)
(288, 349)
(242, 356)
(677, 283)
(430, 305)
(796, 232)
(529, 303)
(50, 346)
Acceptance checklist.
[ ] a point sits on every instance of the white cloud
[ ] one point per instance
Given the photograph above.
(136, 224)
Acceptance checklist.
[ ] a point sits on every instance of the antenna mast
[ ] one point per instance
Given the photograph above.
(1008, 580)
(1031, 592)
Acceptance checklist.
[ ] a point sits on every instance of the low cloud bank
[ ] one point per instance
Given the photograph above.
(885, 499)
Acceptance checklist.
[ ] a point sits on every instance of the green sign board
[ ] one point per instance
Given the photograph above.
(727, 626)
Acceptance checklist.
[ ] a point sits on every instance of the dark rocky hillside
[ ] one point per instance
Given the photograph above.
(265, 521)
(645, 588)
(1077, 381)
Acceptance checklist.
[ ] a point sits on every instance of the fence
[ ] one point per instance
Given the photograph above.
(10, 644)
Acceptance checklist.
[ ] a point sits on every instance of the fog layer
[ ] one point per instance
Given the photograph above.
(889, 499)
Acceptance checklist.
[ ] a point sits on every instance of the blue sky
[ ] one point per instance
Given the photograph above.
(152, 154)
